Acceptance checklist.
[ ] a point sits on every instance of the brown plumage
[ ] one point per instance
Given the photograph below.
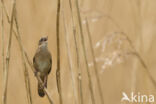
(42, 63)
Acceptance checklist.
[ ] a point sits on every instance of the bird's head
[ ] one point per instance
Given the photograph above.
(43, 41)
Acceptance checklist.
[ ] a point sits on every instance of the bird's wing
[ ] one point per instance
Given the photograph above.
(50, 64)
(34, 62)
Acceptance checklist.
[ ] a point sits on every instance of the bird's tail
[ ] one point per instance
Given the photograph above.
(40, 89)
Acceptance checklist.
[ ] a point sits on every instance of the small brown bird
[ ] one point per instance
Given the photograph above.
(42, 63)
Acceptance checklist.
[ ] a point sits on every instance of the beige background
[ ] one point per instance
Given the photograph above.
(136, 18)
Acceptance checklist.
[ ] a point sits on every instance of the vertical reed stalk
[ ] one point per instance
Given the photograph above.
(77, 55)
(2, 35)
(84, 52)
(58, 74)
(6, 71)
(95, 63)
(2, 40)
(70, 60)
(25, 69)
(74, 32)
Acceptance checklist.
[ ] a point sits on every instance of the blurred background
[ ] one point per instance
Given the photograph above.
(123, 38)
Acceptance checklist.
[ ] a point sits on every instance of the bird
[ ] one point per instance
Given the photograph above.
(42, 62)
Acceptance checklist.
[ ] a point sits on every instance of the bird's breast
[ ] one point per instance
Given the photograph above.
(43, 64)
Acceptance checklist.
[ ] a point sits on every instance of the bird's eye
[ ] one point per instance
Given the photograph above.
(41, 40)
(45, 39)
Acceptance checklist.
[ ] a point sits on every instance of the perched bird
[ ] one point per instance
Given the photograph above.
(42, 62)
